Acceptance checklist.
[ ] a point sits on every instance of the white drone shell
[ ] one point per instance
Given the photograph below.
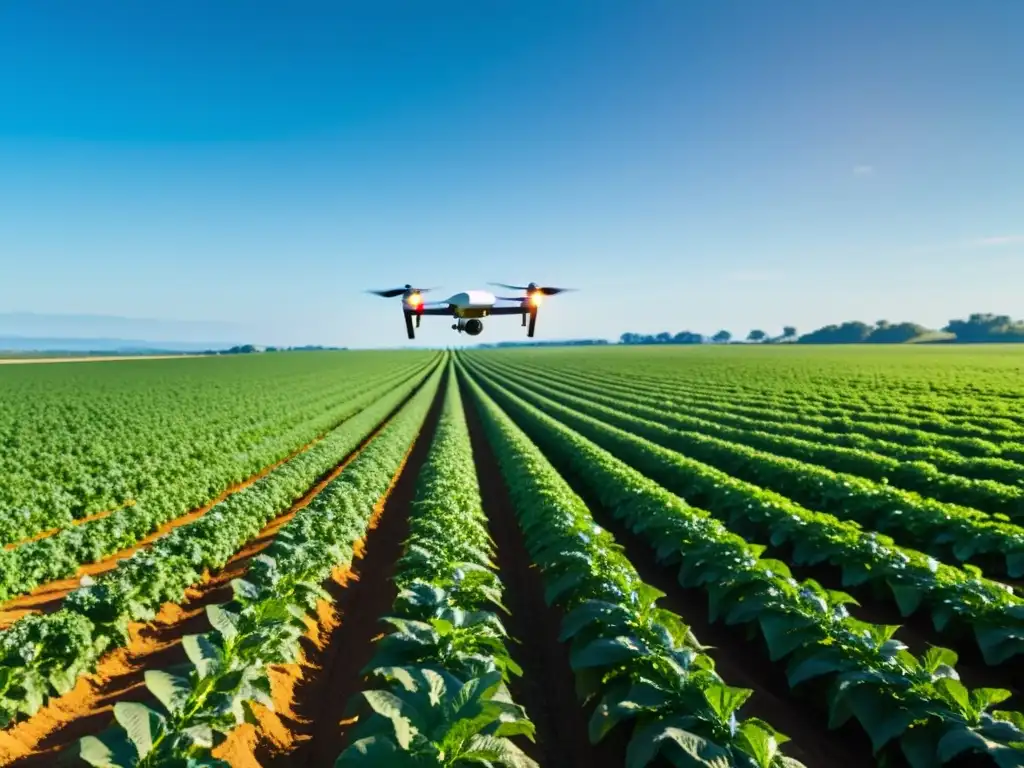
(472, 300)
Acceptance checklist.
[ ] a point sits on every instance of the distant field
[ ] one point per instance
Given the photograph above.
(13, 358)
(608, 556)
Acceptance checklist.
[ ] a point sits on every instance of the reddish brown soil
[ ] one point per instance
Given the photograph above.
(48, 597)
(88, 708)
(322, 692)
(81, 521)
(547, 689)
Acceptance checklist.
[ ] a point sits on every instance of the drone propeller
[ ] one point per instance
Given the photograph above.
(534, 288)
(392, 292)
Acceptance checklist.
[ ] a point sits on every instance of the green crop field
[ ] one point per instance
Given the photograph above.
(750, 556)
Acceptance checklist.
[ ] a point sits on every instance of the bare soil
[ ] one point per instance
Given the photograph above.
(320, 690)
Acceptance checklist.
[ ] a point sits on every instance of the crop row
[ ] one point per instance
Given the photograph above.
(264, 622)
(94, 618)
(440, 677)
(884, 411)
(852, 668)
(81, 442)
(955, 598)
(903, 437)
(917, 476)
(59, 556)
(636, 664)
(721, 410)
(943, 530)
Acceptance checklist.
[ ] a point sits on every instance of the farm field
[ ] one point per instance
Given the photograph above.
(762, 557)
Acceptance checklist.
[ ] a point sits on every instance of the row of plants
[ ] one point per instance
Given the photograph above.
(85, 440)
(958, 601)
(438, 682)
(885, 411)
(830, 386)
(717, 409)
(853, 669)
(44, 655)
(989, 411)
(945, 531)
(920, 477)
(694, 392)
(636, 664)
(196, 705)
(60, 556)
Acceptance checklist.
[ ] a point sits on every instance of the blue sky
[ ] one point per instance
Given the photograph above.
(688, 165)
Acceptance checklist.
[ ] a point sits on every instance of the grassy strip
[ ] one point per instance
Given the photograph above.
(871, 676)
(263, 624)
(44, 655)
(640, 663)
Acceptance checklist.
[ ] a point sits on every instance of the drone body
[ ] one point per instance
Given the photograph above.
(470, 307)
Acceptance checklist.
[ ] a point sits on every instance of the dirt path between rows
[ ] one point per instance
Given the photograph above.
(316, 693)
(547, 689)
(88, 708)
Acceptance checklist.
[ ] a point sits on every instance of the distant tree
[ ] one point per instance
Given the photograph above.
(722, 337)
(687, 337)
(788, 331)
(854, 332)
(899, 333)
(756, 335)
(986, 327)
(664, 338)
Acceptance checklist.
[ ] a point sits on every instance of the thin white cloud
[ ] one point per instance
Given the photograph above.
(864, 170)
(1000, 240)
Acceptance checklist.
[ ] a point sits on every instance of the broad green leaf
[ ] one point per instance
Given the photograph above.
(817, 664)
(203, 654)
(606, 652)
(724, 700)
(954, 692)
(111, 749)
(388, 705)
(223, 620)
(141, 724)
(961, 739)
(170, 690)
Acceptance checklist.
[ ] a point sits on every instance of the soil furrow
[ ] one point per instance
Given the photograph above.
(547, 688)
(317, 692)
(87, 708)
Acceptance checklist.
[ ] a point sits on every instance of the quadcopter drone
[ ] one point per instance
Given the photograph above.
(469, 307)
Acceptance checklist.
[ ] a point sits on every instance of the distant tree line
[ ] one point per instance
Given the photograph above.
(976, 329)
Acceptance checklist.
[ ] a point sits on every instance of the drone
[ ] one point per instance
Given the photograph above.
(470, 307)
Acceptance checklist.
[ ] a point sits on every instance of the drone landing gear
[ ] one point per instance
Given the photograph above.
(408, 324)
(533, 321)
